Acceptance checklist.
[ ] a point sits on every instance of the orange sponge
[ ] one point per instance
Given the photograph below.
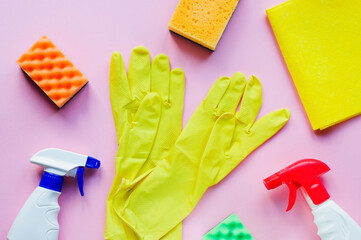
(202, 21)
(53, 72)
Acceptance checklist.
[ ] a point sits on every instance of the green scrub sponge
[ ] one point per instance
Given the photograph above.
(230, 228)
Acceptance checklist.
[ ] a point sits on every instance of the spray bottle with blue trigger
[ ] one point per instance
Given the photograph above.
(38, 218)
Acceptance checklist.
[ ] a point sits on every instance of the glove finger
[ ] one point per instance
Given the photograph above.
(160, 71)
(118, 86)
(251, 102)
(265, 128)
(171, 122)
(176, 94)
(199, 127)
(233, 94)
(216, 161)
(139, 72)
(137, 144)
(216, 92)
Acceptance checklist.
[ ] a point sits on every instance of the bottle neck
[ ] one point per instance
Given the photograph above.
(309, 200)
(51, 181)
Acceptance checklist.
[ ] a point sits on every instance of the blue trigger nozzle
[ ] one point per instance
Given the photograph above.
(80, 173)
(90, 163)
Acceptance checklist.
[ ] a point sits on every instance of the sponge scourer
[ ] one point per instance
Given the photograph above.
(230, 228)
(47, 66)
(202, 21)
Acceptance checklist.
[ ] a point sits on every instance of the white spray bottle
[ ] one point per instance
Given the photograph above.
(333, 223)
(38, 218)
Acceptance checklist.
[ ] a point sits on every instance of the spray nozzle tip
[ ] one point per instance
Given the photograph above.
(92, 163)
(272, 182)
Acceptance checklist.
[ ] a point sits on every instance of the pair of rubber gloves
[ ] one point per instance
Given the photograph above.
(161, 171)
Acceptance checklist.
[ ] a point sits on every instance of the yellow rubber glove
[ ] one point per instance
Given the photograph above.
(147, 108)
(215, 141)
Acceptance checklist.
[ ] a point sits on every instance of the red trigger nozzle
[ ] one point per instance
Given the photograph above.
(293, 192)
(304, 173)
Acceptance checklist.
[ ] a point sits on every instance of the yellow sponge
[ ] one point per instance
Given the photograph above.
(202, 21)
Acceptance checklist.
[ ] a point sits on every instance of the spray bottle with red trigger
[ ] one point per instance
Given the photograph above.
(332, 221)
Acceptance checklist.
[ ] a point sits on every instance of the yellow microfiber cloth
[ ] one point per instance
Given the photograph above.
(320, 41)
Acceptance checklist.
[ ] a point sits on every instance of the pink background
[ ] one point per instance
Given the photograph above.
(88, 32)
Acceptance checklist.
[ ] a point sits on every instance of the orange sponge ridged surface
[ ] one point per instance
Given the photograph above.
(202, 21)
(53, 72)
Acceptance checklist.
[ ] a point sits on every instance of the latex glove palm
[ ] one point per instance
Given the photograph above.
(215, 140)
(147, 108)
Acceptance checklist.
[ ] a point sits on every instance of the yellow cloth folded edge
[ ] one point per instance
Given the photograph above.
(318, 125)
